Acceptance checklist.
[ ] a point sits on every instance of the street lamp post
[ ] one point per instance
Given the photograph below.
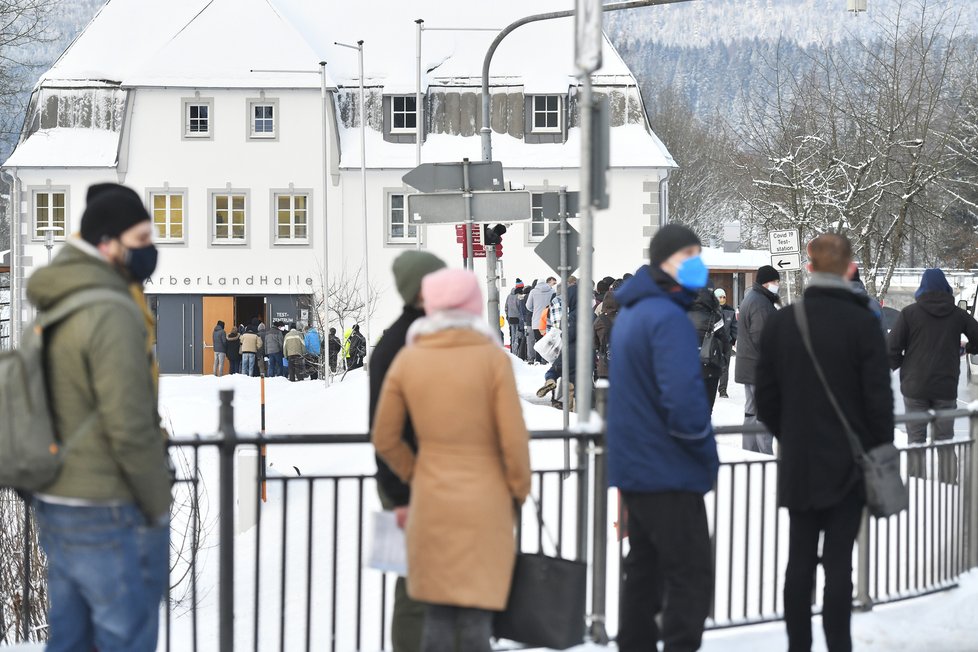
(49, 234)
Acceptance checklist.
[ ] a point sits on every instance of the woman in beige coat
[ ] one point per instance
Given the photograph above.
(456, 383)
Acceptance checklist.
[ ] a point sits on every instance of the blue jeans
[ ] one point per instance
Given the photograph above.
(107, 573)
(275, 365)
(248, 364)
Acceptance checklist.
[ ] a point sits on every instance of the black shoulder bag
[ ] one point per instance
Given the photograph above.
(886, 494)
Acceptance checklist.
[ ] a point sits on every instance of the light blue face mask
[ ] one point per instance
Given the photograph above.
(693, 273)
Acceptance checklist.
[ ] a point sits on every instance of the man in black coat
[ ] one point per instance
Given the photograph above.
(409, 268)
(818, 479)
(925, 345)
(758, 306)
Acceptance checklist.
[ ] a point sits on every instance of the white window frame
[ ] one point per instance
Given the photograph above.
(214, 195)
(263, 135)
(169, 194)
(537, 219)
(49, 221)
(404, 112)
(291, 194)
(545, 112)
(190, 102)
(389, 223)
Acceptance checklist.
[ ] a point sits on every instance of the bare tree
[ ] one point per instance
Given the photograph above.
(348, 305)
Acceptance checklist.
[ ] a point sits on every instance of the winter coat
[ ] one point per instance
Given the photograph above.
(273, 341)
(706, 316)
(250, 342)
(234, 346)
(101, 366)
(730, 322)
(537, 301)
(513, 305)
(859, 288)
(334, 346)
(755, 309)
(396, 493)
(293, 344)
(220, 340)
(472, 465)
(659, 433)
(346, 342)
(602, 333)
(925, 345)
(313, 342)
(356, 345)
(817, 469)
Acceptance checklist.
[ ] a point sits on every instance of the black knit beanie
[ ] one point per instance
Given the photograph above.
(767, 274)
(670, 239)
(112, 209)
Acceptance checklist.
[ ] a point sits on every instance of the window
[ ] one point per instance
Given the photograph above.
(292, 219)
(263, 119)
(168, 216)
(198, 118)
(229, 218)
(399, 228)
(546, 113)
(49, 211)
(539, 225)
(404, 113)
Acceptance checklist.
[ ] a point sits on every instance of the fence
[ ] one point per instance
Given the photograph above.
(5, 322)
(289, 573)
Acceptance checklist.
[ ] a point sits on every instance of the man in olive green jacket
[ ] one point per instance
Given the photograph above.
(104, 523)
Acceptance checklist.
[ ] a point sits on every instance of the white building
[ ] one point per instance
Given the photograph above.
(214, 111)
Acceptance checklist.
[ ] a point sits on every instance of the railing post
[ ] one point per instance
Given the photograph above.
(26, 610)
(226, 554)
(863, 601)
(973, 495)
(599, 564)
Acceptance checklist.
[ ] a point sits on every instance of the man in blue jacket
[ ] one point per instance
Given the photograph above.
(661, 451)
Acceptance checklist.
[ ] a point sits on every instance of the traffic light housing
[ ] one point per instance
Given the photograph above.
(494, 236)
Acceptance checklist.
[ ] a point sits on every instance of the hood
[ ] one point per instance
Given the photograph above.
(859, 288)
(71, 271)
(295, 331)
(652, 282)
(233, 335)
(706, 300)
(610, 304)
(218, 328)
(542, 288)
(261, 327)
(938, 304)
(933, 281)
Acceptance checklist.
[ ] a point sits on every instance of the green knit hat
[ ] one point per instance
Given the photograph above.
(409, 268)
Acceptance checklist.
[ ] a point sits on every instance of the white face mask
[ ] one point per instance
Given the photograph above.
(773, 287)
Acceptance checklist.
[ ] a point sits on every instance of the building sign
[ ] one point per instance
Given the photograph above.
(255, 280)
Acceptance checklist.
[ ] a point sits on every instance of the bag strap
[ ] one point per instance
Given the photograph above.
(543, 526)
(802, 318)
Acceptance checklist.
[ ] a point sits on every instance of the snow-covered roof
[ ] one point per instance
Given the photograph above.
(745, 260)
(67, 148)
(631, 146)
(218, 43)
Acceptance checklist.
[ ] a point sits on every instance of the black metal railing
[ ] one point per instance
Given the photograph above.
(290, 573)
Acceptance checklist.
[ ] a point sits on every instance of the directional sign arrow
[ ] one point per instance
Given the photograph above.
(786, 262)
(437, 177)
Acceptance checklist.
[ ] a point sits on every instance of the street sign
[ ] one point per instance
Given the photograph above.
(588, 36)
(549, 249)
(784, 242)
(786, 262)
(437, 177)
(551, 204)
(449, 207)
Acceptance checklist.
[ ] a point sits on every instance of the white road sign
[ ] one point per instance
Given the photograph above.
(786, 262)
(784, 242)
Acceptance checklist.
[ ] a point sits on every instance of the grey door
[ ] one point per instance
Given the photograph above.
(179, 333)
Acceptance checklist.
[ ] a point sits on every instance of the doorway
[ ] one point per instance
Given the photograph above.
(247, 308)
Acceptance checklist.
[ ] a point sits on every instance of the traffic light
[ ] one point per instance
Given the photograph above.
(494, 236)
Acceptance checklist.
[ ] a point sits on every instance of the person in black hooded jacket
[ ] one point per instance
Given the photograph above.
(925, 345)
(707, 317)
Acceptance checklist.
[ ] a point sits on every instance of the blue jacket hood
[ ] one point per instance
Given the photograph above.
(646, 283)
(933, 281)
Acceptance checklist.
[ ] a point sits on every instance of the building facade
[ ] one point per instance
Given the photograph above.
(246, 150)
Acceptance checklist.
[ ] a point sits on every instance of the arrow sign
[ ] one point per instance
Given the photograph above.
(438, 177)
(786, 262)
(449, 207)
(549, 249)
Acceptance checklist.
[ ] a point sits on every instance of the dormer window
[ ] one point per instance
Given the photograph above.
(404, 114)
(546, 114)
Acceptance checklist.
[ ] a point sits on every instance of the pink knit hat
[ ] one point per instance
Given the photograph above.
(452, 289)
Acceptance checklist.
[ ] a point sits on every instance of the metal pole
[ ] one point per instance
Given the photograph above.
(363, 183)
(419, 118)
(599, 565)
(582, 387)
(486, 132)
(25, 609)
(325, 98)
(973, 498)
(565, 378)
(467, 194)
(862, 572)
(492, 287)
(226, 553)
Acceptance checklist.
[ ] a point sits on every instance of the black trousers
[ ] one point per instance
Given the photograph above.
(669, 568)
(840, 525)
(445, 625)
(711, 390)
